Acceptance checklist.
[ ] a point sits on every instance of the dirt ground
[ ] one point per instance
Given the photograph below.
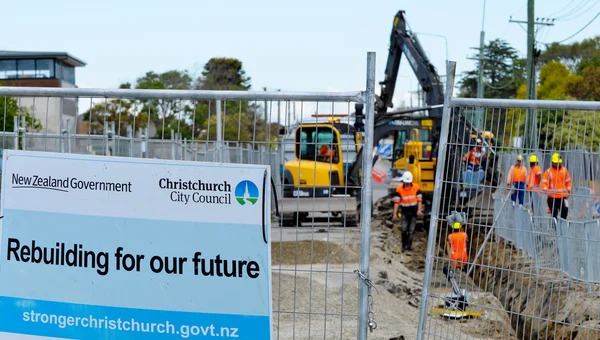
(544, 304)
(317, 296)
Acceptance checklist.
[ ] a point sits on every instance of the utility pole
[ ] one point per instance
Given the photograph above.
(477, 121)
(530, 135)
(530, 119)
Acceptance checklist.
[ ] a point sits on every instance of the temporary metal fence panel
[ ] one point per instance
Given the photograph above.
(592, 235)
(546, 244)
(320, 256)
(528, 274)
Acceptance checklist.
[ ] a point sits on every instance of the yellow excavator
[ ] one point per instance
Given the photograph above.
(328, 183)
(314, 182)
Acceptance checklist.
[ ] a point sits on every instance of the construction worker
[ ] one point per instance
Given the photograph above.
(327, 152)
(556, 182)
(517, 174)
(456, 244)
(534, 179)
(474, 157)
(409, 199)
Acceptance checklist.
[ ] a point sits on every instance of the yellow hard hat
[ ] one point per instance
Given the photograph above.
(533, 159)
(519, 158)
(556, 158)
(456, 225)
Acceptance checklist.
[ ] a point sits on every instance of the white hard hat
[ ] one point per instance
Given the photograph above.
(407, 177)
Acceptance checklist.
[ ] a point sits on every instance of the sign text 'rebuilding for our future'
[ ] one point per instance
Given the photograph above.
(133, 248)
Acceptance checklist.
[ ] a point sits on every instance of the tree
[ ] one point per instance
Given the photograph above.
(9, 109)
(562, 129)
(576, 56)
(587, 86)
(223, 74)
(242, 121)
(118, 111)
(165, 113)
(503, 72)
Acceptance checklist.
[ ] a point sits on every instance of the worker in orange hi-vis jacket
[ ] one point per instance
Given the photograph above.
(556, 182)
(534, 179)
(456, 244)
(409, 200)
(517, 175)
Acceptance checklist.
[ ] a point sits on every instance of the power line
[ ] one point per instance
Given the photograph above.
(560, 10)
(574, 34)
(573, 10)
(567, 18)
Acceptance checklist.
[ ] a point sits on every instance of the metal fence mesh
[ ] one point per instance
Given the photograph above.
(316, 239)
(532, 272)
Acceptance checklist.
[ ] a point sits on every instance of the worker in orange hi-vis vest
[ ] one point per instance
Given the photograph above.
(556, 182)
(517, 175)
(408, 198)
(456, 244)
(534, 179)
(474, 157)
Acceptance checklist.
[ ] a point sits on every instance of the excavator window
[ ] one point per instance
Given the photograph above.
(423, 135)
(317, 144)
(399, 145)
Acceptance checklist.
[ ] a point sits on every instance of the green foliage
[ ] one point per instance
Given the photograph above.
(188, 117)
(576, 56)
(9, 109)
(560, 129)
(223, 74)
(118, 111)
(503, 72)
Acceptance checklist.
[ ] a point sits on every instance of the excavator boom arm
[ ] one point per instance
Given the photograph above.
(403, 41)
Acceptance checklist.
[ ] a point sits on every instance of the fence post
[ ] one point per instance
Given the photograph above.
(365, 298)
(16, 131)
(130, 138)
(68, 135)
(219, 131)
(435, 209)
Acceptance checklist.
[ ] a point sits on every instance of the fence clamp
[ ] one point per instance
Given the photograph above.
(371, 323)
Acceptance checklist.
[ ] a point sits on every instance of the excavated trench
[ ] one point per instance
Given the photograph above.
(534, 304)
(541, 304)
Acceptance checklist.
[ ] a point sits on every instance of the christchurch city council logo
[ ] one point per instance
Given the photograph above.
(246, 191)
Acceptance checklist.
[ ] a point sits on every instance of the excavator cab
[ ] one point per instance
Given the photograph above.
(413, 152)
(315, 181)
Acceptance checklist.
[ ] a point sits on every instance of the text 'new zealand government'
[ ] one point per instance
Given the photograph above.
(66, 183)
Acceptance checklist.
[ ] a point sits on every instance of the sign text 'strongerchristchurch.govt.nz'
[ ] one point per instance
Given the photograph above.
(98, 247)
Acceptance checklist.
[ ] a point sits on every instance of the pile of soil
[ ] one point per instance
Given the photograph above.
(543, 304)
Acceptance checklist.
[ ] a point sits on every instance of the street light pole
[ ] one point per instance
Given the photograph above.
(436, 35)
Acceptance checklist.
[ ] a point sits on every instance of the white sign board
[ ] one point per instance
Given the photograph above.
(125, 248)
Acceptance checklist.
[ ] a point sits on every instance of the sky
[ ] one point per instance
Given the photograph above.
(289, 45)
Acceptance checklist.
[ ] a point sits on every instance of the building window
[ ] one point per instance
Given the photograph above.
(26, 68)
(8, 69)
(44, 68)
(68, 74)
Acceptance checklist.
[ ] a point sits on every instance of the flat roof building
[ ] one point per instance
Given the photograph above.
(44, 69)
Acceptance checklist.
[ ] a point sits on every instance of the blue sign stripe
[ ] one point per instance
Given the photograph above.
(67, 320)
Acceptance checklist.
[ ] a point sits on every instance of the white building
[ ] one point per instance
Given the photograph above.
(43, 69)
